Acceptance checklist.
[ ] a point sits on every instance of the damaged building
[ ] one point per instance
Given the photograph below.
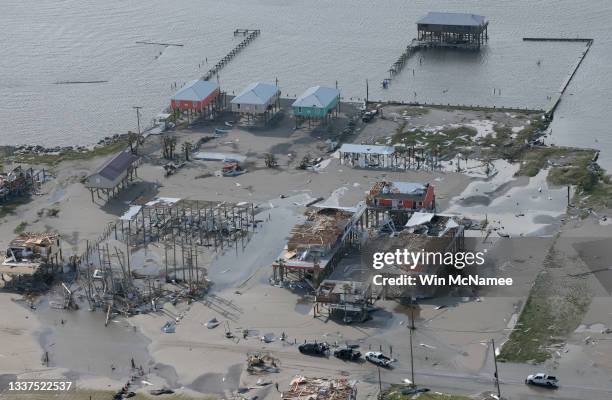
(314, 247)
(394, 216)
(159, 250)
(424, 233)
(396, 201)
(29, 260)
(20, 182)
(344, 300)
(34, 249)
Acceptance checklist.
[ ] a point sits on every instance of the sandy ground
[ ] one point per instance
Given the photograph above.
(451, 343)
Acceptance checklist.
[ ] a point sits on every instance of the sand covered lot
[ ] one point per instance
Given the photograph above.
(452, 352)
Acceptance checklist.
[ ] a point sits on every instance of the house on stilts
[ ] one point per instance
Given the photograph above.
(317, 103)
(257, 101)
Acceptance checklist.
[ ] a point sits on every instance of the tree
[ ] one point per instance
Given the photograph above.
(187, 146)
(133, 141)
(168, 146)
(270, 160)
(306, 162)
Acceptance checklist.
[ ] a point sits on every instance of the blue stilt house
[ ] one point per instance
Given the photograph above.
(317, 102)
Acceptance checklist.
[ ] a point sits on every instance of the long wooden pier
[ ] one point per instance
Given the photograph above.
(249, 36)
(556, 99)
(398, 65)
(416, 45)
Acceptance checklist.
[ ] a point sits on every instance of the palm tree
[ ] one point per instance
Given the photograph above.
(270, 160)
(133, 141)
(168, 145)
(187, 146)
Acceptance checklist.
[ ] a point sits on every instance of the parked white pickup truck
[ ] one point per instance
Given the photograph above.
(541, 379)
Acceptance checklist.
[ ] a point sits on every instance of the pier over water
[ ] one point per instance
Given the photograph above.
(249, 36)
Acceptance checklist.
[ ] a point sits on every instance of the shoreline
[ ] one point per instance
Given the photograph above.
(246, 300)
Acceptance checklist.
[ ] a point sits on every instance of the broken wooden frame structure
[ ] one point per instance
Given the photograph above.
(30, 261)
(186, 229)
(348, 300)
(20, 182)
(306, 260)
(453, 241)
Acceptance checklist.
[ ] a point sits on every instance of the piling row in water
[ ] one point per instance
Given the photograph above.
(250, 35)
(401, 61)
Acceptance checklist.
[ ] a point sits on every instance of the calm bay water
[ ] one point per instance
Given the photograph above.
(302, 44)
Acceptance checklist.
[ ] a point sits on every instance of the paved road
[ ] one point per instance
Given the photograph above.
(512, 376)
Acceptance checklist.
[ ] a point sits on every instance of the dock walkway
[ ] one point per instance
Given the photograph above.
(249, 34)
(416, 45)
(556, 98)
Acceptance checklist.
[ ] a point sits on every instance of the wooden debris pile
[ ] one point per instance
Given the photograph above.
(302, 387)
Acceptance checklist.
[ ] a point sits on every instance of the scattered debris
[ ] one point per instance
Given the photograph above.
(320, 388)
(258, 362)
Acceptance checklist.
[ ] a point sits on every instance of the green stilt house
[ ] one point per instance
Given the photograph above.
(316, 103)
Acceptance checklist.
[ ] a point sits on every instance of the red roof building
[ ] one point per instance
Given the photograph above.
(195, 95)
(402, 196)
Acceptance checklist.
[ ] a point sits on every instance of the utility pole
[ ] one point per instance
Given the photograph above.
(411, 359)
(137, 108)
(412, 328)
(367, 94)
(379, 383)
(496, 371)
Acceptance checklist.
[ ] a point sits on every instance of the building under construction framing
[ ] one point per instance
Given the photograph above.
(159, 250)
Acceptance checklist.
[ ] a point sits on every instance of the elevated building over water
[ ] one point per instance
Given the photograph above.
(453, 30)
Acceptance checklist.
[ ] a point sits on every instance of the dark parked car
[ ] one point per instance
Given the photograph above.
(314, 349)
(347, 353)
(369, 115)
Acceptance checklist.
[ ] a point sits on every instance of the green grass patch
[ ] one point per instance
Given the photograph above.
(21, 227)
(54, 159)
(535, 159)
(395, 393)
(549, 315)
(599, 196)
(8, 209)
(446, 142)
(414, 111)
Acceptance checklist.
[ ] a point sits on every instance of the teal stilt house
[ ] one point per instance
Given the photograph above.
(316, 103)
